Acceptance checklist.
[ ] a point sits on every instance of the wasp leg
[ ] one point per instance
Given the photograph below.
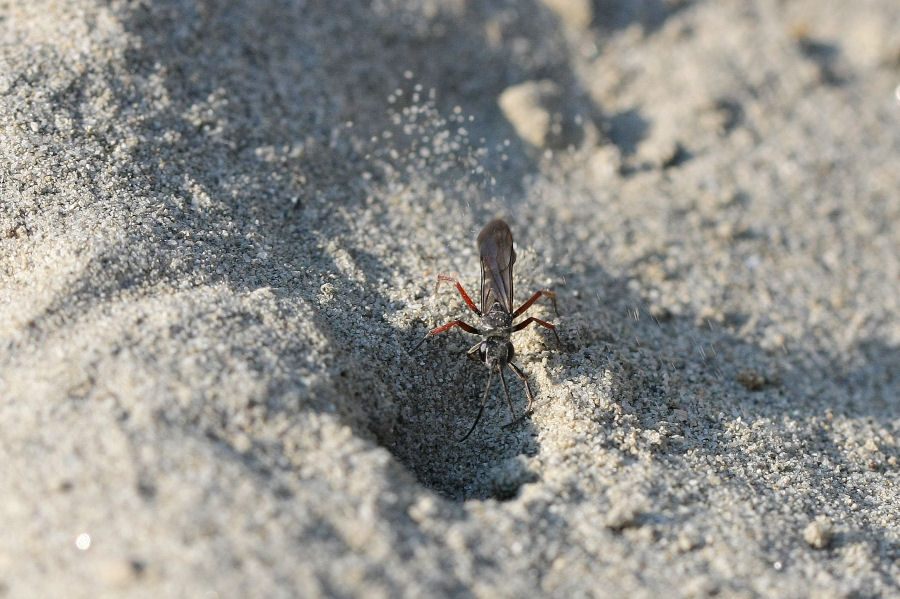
(456, 323)
(544, 324)
(462, 292)
(534, 298)
(522, 376)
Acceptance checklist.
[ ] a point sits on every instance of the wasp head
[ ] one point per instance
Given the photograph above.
(495, 353)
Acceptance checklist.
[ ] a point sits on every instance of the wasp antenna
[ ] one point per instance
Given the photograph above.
(481, 409)
(512, 413)
(419, 344)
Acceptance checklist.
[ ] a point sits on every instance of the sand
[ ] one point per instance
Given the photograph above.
(220, 227)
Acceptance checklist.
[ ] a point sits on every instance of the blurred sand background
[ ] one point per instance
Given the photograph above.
(220, 225)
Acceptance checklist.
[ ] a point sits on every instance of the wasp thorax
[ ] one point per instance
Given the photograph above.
(497, 318)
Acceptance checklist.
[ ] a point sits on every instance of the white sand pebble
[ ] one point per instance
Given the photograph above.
(818, 533)
(575, 13)
(530, 108)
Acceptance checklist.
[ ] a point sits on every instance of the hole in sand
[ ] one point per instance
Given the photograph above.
(492, 462)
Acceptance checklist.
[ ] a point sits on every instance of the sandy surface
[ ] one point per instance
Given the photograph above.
(220, 226)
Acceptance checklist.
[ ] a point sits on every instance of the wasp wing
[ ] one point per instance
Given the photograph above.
(495, 244)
